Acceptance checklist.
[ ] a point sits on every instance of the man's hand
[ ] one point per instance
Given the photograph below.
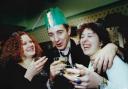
(104, 57)
(55, 68)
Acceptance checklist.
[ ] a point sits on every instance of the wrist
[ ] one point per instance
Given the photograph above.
(28, 77)
(103, 83)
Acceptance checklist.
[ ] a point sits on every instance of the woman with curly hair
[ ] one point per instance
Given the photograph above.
(23, 60)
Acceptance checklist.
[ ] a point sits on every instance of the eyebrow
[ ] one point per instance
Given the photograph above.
(59, 30)
(88, 33)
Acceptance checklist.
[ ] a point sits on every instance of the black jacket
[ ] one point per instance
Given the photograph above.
(14, 78)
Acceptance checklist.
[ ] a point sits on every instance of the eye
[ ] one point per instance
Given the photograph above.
(90, 36)
(50, 34)
(82, 36)
(60, 32)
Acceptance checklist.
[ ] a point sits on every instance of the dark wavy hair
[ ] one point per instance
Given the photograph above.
(12, 48)
(98, 29)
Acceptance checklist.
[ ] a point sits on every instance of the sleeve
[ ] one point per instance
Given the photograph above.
(117, 75)
(122, 53)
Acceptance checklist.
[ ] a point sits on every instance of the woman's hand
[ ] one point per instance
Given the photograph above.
(35, 67)
(87, 78)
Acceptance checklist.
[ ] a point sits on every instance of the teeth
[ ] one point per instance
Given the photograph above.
(30, 49)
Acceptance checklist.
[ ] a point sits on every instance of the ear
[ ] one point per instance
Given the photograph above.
(69, 30)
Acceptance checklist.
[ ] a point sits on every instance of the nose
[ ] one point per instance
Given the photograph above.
(30, 44)
(85, 39)
(56, 38)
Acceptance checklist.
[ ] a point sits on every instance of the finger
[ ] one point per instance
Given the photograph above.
(105, 64)
(71, 70)
(56, 62)
(99, 65)
(83, 70)
(40, 59)
(79, 66)
(95, 63)
(58, 67)
(54, 72)
(110, 62)
(80, 87)
(57, 72)
(42, 63)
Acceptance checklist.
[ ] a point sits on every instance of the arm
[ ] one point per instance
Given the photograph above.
(90, 79)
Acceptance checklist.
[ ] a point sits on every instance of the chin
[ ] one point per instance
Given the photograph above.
(87, 53)
(31, 54)
(61, 48)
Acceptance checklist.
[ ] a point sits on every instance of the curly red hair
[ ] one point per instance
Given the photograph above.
(12, 48)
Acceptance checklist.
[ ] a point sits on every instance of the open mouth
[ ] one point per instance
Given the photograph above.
(59, 44)
(30, 49)
(86, 46)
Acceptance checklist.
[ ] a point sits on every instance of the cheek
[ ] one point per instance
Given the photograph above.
(81, 41)
(23, 48)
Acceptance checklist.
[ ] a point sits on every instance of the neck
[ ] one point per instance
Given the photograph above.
(67, 47)
(26, 62)
(92, 57)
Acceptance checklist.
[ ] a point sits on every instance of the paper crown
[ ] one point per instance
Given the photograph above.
(53, 17)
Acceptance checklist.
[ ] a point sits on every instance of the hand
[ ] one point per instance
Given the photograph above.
(35, 67)
(104, 57)
(74, 72)
(55, 68)
(89, 79)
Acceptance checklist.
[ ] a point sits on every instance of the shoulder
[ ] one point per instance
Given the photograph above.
(119, 68)
(118, 73)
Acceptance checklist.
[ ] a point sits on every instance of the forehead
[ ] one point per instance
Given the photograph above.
(56, 28)
(25, 37)
(87, 30)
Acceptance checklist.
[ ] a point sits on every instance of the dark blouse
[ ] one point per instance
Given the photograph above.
(15, 78)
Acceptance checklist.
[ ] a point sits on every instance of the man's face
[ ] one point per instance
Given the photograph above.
(59, 36)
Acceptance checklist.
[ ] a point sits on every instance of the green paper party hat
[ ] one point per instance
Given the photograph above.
(53, 17)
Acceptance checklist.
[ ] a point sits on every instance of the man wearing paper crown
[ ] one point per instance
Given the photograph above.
(59, 33)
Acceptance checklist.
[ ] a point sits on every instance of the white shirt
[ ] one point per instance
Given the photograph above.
(117, 74)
